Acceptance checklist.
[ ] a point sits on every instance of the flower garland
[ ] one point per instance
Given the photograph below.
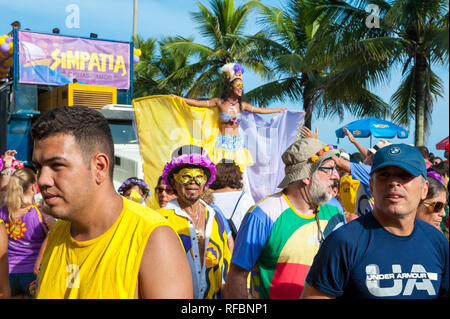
(132, 181)
(436, 176)
(327, 148)
(194, 159)
(16, 164)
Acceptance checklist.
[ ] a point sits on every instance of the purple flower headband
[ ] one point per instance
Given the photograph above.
(436, 176)
(134, 181)
(193, 159)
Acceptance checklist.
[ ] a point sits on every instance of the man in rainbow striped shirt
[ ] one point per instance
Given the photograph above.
(281, 234)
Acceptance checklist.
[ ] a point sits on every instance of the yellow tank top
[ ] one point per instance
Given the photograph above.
(104, 267)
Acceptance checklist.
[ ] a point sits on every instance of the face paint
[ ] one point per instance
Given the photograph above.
(238, 84)
(186, 175)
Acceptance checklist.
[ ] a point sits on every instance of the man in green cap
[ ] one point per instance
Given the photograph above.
(281, 234)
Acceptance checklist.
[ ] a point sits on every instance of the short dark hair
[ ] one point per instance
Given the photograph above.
(15, 24)
(355, 157)
(88, 126)
(227, 174)
(441, 168)
(424, 151)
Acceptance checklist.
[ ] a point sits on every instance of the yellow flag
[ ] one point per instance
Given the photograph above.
(165, 123)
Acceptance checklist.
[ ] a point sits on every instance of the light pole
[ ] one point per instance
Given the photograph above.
(135, 18)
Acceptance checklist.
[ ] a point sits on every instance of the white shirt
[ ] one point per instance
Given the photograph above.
(226, 201)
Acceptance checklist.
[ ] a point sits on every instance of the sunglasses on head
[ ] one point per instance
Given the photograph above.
(435, 207)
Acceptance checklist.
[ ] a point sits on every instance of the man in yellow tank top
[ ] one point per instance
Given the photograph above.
(103, 245)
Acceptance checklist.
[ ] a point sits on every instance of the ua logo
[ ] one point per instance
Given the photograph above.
(418, 279)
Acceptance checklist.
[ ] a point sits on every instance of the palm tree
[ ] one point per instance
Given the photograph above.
(145, 70)
(412, 34)
(156, 65)
(222, 27)
(304, 55)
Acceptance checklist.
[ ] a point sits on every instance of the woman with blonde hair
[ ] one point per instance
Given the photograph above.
(26, 229)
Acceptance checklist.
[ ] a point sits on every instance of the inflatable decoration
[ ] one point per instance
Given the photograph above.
(136, 55)
(4, 47)
(6, 55)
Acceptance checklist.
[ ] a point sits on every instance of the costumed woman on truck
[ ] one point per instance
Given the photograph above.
(229, 144)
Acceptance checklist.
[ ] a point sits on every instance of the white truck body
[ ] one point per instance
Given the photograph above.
(127, 157)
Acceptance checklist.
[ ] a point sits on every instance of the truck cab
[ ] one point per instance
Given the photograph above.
(127, 158)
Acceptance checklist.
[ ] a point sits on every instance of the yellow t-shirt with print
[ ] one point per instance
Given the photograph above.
(105, 267)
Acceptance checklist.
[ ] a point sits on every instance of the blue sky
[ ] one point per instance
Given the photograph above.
(112, 19)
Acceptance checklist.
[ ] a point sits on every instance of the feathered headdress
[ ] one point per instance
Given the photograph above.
(232, 71)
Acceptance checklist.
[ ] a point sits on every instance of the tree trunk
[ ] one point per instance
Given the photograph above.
(419, 84)
(307, 107)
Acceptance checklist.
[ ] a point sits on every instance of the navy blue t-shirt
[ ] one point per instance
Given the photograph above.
(363, 260)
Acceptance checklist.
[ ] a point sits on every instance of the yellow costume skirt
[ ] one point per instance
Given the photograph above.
(232, 148)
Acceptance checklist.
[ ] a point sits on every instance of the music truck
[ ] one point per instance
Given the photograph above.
(52, 70)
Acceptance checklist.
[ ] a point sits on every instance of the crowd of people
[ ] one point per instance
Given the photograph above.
(62, 223)
(371, 224)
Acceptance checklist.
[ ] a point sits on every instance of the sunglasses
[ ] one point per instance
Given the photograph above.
(238, 84)
(161, 190)
(435, 207)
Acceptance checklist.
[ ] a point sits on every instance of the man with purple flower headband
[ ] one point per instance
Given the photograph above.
(199, 226)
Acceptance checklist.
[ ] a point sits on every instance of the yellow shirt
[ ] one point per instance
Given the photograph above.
(103, 267)
(208, 278)
(348, 187)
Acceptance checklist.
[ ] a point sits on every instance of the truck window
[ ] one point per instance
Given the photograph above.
(123, 132)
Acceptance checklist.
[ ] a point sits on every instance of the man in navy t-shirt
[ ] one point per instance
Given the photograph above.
(387, 253)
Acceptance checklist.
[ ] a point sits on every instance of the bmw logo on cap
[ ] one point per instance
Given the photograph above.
(395, 151)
